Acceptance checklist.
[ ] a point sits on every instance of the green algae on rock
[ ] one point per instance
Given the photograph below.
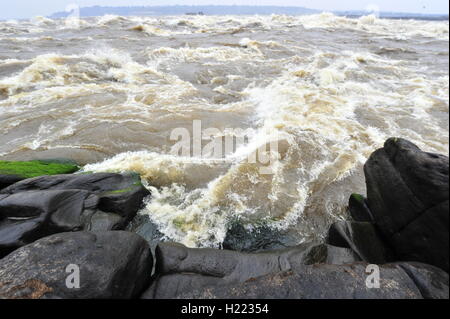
(36, 168)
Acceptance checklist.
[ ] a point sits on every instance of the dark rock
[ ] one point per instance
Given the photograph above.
(407, 194)
(35, 208)
(391, 202)
(431, 281)
(362, 238)
(426, 174)
(101, 221)
(426, 239)
(180, 269)
(358, 208)
(7, 180)
(144, 227)
(327, 282)
(28, 216)
(239, 238)
(329, 254)
(112, 265)
(118, 193)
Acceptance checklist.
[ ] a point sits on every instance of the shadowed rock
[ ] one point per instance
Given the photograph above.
(180, 269)
(407, 194)
(7, 180)
(118, 193)
(358, 209)
(39, 207)
(306, 271)
(111, 265)
(362, 238)
(333, 282)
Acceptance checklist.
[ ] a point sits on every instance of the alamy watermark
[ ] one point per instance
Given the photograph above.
(73, 279)
(373, 278)
(215, 145)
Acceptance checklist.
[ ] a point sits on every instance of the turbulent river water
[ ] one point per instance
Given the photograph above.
(109, 91)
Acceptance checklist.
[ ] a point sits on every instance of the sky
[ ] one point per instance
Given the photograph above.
(20, 9)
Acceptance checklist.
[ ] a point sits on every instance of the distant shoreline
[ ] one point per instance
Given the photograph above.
(238, 10)
(216, 10)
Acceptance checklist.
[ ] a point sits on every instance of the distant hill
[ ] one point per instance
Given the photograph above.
(232, 10)
(181, 10)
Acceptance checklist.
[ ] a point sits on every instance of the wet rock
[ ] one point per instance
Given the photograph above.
(239, 238)
(358, 209)
(144, 227)
(362, 238)
(7, 180)
(407, 194)
(431, 281)
(333, 255)
(330, 282)
(101, 221)
(180, 269)
(426, 174)
(111, 265)
(426, 238)
(26, 217)
(35, 208)
(118, 193)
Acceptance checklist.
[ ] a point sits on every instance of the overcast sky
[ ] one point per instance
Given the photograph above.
(16, 9)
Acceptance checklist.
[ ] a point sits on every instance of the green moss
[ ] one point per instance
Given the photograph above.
(137, 183)
(121, 191)
(35, 168)
(358, 197)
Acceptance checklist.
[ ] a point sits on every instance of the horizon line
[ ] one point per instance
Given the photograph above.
(257, 6)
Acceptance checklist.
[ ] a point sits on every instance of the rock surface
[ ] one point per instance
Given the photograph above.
(358, 209)
(332, 282)
(7, 180)
(35, 208)
(180, 269)
(111, 265)
(362, 238)
(408, 194)
(26, 217)
(118, 193)
(259, 239)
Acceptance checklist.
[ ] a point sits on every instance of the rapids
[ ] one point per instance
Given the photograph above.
(108, 92)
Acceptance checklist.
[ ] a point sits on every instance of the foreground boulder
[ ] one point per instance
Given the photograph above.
(111, 265)
(408, 199)
(335, 282)
(26, 217)
(180, 269)
(118, 193)
(42, 206)
(13, 172)
(305, 271)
